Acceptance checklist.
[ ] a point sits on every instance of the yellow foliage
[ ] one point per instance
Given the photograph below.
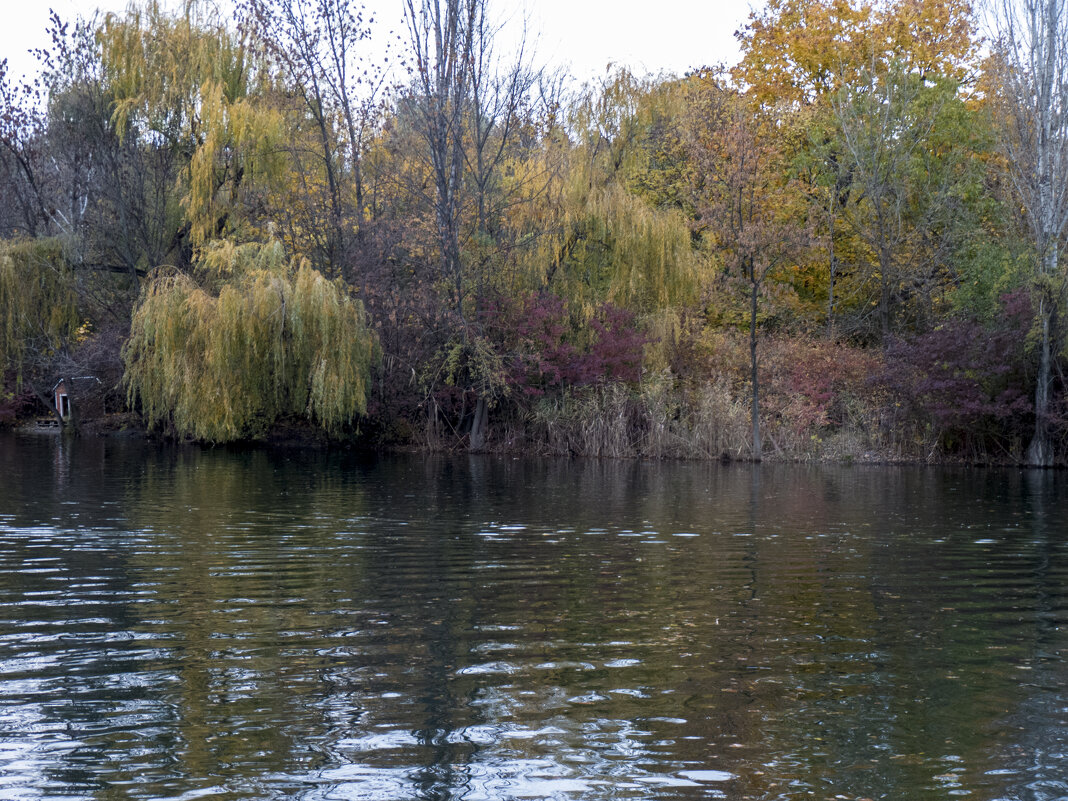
(798, 51)
(38, 304)
(591, 237)
(277, 340)
(192, 82)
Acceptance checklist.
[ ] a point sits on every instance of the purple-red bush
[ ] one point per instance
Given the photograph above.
(616, 351)
(967, 380)
(543, 349)
(820, 378)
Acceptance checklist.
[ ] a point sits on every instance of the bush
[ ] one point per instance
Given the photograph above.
(544, 348)
(966, 383)
(18, 406)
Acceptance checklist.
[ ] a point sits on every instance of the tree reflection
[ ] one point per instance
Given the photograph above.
(257, 624)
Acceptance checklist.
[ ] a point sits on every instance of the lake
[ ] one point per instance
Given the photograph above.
(187, 623)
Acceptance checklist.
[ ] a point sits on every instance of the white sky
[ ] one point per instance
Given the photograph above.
(662, 36)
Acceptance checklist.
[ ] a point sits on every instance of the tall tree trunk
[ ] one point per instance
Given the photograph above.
(884, 296)
(830, 287)
(757, 444)
(1040, 450)
(478, 426)
(1032, 45)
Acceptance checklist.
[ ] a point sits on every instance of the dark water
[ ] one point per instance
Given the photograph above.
(185, 623)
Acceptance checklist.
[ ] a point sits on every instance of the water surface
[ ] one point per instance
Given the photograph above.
(194, 623)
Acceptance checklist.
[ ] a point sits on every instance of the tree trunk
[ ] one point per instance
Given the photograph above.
(478, 427)
(884, 297)
(830, 282)
(1040, 451)
(757, 445)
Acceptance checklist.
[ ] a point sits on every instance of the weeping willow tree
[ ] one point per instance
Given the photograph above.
(186, 81)
(611, 245)
(277, 340)
(599, 237)
(38, 311)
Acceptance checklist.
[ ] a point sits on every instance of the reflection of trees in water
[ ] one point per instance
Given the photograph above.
(1032, 738)
(54, 478)
(233, 547)
(951, 577)
(442, 628)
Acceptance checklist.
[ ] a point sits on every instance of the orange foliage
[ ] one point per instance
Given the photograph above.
(796, 51)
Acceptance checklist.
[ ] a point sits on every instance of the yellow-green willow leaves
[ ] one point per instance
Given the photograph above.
(38, 303)
(599, 233)
(190, 82)
(278, 340)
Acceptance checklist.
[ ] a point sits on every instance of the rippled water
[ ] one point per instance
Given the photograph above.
(186, 623)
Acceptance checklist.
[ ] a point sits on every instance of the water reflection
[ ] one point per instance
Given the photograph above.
(191, 623)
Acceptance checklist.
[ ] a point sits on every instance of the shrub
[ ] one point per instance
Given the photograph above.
(968, 383)
(543, 347)
(18, 406)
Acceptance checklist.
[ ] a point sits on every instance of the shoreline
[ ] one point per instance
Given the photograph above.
(285, 438)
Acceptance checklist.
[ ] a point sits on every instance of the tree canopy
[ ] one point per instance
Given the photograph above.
(273, 233)
(276, 340)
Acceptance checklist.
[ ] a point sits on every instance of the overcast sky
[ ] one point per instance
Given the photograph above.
(663, 36)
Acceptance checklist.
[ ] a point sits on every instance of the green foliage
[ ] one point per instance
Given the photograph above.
(915, 199)
(38, 303)
(277, 340)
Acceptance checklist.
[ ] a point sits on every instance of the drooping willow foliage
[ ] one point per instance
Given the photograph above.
(277, 340)
(38, 303)
(193, 85)
(597, 236)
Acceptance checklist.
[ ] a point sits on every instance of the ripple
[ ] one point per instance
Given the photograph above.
(252, 626)
(488, 668)
(708, 775)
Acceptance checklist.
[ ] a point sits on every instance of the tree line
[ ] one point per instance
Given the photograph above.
(846, 244)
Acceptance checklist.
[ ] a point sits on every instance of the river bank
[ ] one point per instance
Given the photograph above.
(919, 402)
(624, 428)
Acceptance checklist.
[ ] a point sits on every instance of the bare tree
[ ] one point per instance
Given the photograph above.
(499, 90)
(442, 35)
(1031, 50)
(467, 106)
(320, 47)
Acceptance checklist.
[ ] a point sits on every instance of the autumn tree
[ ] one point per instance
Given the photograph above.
(82, 219)
(797, 53)
(816, 62)
(1030, 62)
(911, 146)
(39, 314)
(252, 340)
(603, 230)
(190, 85)
(321, 49)
(738, 183)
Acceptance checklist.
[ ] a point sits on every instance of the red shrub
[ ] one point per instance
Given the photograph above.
(964, 378)
(543, 349)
